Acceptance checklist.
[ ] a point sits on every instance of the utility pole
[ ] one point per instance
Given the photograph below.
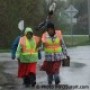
(88, 18)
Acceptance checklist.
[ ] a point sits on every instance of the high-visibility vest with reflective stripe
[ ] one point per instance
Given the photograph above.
(52, 46)
(29, 53)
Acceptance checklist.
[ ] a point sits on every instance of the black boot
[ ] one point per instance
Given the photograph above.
(26, 81)
(32, 79)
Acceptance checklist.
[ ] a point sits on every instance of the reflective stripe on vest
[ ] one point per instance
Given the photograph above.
(29, 53)
(52, 46)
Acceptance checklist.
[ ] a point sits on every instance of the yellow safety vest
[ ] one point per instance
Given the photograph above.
(29, 53)
(52, 46)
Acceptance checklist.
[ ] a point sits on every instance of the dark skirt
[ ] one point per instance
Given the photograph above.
(51, 67)
(25, 68)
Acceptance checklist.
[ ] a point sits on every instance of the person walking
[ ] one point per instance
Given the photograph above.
(52, 45)
(27, 56)
(14, 47)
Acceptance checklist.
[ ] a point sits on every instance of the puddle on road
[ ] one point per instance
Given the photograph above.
(77, 65)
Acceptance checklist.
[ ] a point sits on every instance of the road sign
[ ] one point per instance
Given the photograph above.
(71, 11)
(21, 25)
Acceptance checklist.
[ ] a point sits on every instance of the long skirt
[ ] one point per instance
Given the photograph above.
(51, 67)
(25, 68)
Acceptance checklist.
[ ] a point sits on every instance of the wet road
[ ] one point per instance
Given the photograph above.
(77, 76)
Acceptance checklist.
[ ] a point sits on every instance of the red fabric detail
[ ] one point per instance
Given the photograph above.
(51, 67)
(25, 68)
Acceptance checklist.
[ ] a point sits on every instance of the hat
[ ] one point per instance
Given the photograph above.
(28, 30)
(50, 25)
(50, 12)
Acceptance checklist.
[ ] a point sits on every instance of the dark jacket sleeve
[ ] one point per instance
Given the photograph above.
(14, 47)
(43, 25)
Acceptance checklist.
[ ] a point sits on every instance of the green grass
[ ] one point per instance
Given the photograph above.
(69, 41)
(76, 40)
(2, 50)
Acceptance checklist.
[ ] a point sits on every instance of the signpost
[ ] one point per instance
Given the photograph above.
(71, 12)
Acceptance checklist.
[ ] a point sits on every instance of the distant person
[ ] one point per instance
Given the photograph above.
(27, 55)
(14, 47)
(52, 45)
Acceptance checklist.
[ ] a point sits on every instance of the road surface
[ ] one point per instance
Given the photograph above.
(77, 76)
